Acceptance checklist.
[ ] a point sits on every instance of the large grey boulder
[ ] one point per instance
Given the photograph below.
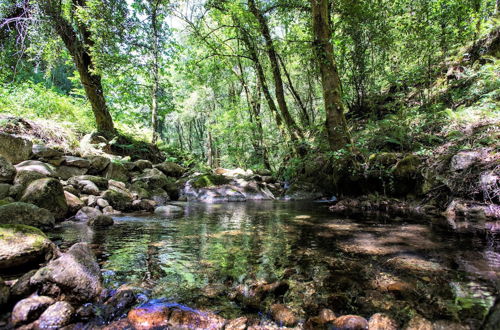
(36, 166)
(28, 310)
(86, 213)
(26, 214)
(116, 171)
(65, 172)
(143, 164)
(153, 178)
(42, 151)
(76, 161)
(15, 149)
(7, 170)
(47, 193)
(22, 245)
(171, 169)
(74, 203)
(464, 160)
(97, 163)
(83, 180)
(119, 199)
(75, 274)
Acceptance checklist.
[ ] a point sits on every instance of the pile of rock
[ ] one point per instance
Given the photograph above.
(88, 188)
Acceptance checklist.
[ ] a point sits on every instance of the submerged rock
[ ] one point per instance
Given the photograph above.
(381, 321)
(149, 316)
(22, 245)
(169, 210)
(28, 310)
(283, 315)
(47, 193)
(74, 275)
(186, 318)
(26, 214)
(100, 221)
(86, 213)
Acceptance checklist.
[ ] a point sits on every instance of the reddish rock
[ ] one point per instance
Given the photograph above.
(381, 321)
(419, 323)
(350, 322)
(191, 319)
(283, 315)
(326, 315)
(149, 316)
(29, 309)
(237, 324)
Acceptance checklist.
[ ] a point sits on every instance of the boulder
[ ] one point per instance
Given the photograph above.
(102, 203)
(26, 214)
(4, 190)
(74, 275)
(76, 162)
(56, 316)
(108, 210)
(169, 210)
(100, 221)
(98, 163)
(350, 322)
(82, 180)
(74, 203)
(283, 315)
(7, 170)
(144, 204)
(42, 151)
(171, 169)
(187, 318)
(24, 178)
(14, 149)
(86, 213)
(139, 190)
(29, 309)
(116, 171)
(160, 196)
(65, 172)
(36, 166)
(92, 200)
(47, 193)
(22, 245)
(153, 178)
(118, 199)
(22, 288)
(142, 164)
(463, 160)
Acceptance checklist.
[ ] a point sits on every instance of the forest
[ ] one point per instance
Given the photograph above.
(249, 164)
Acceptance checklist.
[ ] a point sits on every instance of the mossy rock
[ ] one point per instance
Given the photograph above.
(118, 200)
(209, 180)
(22, 245)
(408, 167)
(47, 193)
(26, 214)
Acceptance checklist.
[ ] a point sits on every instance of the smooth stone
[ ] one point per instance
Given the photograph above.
(74, 203)
(102, 202)
(350, 322)
(76, 161)
(36, 166)
(149, 317)
(29, 309)
(283, 315)
(56, 316)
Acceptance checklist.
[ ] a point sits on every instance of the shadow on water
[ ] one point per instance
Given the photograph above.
(362, 266)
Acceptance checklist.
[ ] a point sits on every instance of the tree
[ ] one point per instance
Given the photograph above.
(336, 127)
(78, 40)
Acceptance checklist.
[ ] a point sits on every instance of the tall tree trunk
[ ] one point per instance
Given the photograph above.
(294, 130)
(336, 127)
(156, 78)
(78, 44)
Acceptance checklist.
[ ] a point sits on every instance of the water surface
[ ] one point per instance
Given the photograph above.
(399, 266)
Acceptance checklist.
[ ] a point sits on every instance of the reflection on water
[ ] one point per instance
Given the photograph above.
(351, 266)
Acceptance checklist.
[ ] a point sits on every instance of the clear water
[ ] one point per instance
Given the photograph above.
(401, 267)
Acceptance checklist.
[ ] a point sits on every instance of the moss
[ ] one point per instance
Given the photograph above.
(4, 202)
(12, 231)
(407, 167)
(209, 180)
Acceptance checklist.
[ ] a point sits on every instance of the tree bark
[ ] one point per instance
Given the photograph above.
(78, 43)
(336, 126)
(295, 132)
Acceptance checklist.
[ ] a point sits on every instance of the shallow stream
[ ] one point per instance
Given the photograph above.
(213, 252)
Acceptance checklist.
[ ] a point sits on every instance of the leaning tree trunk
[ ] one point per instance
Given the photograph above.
(78, 44)
(336, 127)
(294, 130)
